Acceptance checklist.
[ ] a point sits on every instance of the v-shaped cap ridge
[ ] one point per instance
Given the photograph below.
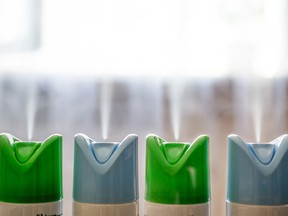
(156, 144)
(19, 153)
(259, 157)
(25, 150)
(84, 142)
(263, 152)
(103, 151)
(174, 151)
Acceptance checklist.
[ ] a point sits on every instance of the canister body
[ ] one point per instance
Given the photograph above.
(157, 209)
(31, 209)
(236, 209)
(91, 209)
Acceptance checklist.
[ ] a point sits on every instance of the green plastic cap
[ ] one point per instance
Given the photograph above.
(177, 173)
(30, 172)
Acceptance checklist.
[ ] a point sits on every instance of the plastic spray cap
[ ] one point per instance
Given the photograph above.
(177, 173)
(257, 173)
(105, 173)
(30, 172)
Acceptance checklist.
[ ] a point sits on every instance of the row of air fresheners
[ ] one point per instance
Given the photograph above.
(106, 177)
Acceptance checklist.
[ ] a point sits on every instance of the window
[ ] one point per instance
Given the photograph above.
(199, 38)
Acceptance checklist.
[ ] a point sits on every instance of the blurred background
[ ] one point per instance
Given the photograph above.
(174, 68)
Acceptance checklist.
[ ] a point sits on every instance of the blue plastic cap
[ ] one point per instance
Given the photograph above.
(105, 173)
(258, 173)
